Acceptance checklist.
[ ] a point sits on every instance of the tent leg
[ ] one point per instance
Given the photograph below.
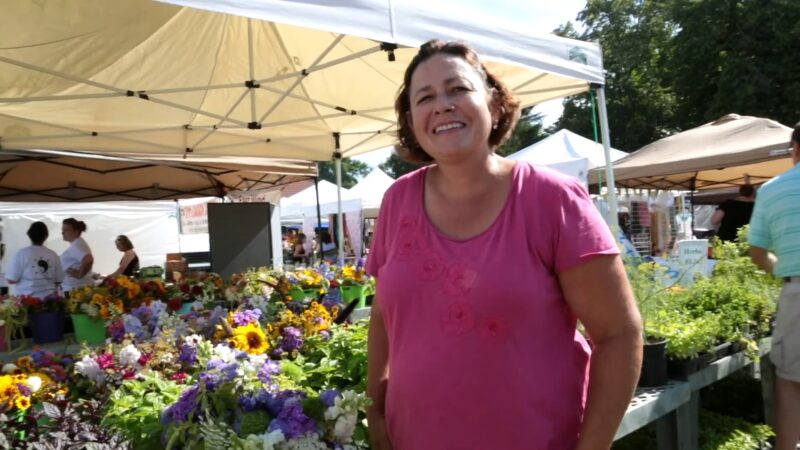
(613, 222)
(337, 158)
(318, 234)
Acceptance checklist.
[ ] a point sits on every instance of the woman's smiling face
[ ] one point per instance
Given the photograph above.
(450, 112)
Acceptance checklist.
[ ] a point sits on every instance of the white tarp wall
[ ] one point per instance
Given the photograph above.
(370, 190)
(152, 228)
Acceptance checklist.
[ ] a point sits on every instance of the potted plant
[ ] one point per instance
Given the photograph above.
(45, 317)
(90, 308)
(651, 288)
(12, 318)
(354, 283)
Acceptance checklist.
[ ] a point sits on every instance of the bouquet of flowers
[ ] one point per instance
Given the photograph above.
(95, 302)
(51, 303)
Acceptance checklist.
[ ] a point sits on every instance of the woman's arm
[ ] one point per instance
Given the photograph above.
(716, 218)
(598, 292)
(85, 267)
(123, 264)
(377, 378)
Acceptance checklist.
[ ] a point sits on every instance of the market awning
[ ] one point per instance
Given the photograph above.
(308, 80)
(714, 155)
(47, 176)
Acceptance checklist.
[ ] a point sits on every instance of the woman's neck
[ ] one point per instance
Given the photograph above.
(471, 176)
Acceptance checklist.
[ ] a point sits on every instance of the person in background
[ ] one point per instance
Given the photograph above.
(129, 264)
(735, 213)
(774, 240)
(483, 266)
(36, 270)
(299, 253)
(77, 259)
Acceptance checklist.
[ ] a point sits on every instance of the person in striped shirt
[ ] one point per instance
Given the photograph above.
(775, 247)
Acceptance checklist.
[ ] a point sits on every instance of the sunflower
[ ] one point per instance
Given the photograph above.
(250, 338)
(22, 403)
(26, 363)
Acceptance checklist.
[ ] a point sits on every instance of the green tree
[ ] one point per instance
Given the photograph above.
(396, 167)
(634, 35)
(529, 130)
(735, 56)
(352, 170)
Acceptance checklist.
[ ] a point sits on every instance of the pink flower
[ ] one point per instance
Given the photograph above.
(493, 328)
(457, 318)
(129, 374)
(145, 358)
(180, 377)
(431, 267)
(459, 280)
(106, 361)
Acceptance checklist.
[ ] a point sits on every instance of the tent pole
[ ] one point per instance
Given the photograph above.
(318, 234)
(337, 158)
(691, 199)
(612, 194)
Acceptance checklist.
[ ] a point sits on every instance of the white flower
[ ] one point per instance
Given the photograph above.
(89, 368)
(2, 322)
(310, 441)
(34, 383)
(129, 356)
(266, 441)
(345, 427)
(333, 412)
(10, 368)
(224, 352)
(193, 340)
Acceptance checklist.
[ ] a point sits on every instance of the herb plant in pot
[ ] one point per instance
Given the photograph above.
(651, 290)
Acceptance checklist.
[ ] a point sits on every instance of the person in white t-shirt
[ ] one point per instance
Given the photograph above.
(77, 259)
(36, 270)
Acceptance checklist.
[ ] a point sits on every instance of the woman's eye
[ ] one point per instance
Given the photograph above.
(459, 88)
(423, 99)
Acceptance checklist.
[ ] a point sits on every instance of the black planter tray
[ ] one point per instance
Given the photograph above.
(680, 369)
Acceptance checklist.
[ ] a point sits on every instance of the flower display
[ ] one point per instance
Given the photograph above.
(51, 303)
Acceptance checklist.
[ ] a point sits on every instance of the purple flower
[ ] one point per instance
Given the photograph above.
(325, 335)
(210, 380)
(248, 403)
(24, 389)
(292, 339)
(329, 396)
(292, 421)
(361, 263)
(214, 363)
(188, 354)
(242, 318)
(184, 408)
(229, 371)
(267, 370)
(116, 329)
(276, 353)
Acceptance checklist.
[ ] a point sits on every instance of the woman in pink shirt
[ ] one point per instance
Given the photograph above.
(483, 267)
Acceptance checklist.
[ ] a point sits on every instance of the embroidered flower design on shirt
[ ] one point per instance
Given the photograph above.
(407, 225)
(457, 318)
(459, 279)
(431, 267)
(493, 328)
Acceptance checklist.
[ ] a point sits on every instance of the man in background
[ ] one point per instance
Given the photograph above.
(775, 247)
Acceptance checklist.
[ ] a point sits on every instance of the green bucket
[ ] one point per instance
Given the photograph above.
(302, 294)
(352, 292)
(89, 330)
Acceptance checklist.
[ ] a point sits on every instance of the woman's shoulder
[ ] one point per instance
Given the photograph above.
(545, 181)
(406, 186)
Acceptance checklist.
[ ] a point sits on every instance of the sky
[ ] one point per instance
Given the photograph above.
(550, 14)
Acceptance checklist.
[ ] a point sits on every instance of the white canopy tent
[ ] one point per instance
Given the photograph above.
(306, 80)
(370, 190)
(567, 152)
(304, 203)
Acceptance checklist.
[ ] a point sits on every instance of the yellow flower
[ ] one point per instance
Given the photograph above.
(98, 298)
(22, 402)
(250, 338)
(26, 363)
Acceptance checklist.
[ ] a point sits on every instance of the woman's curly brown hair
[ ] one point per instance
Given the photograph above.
(503, 103)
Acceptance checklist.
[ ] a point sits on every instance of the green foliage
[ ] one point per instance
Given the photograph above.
(396, 167)
(672, 65)
(340, 362)
(255, 422)
(686, 338)
(352, 170)
(528, 130)
(650, 285)
(135, 409)
(729, 433)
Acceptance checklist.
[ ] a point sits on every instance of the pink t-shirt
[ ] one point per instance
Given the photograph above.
(483, 349)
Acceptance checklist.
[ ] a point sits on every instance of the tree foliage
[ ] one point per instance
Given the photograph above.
(672, 65)
(352, 170)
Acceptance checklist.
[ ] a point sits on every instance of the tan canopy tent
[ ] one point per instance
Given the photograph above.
(714, 155)
(48, 176)
(298, 79)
